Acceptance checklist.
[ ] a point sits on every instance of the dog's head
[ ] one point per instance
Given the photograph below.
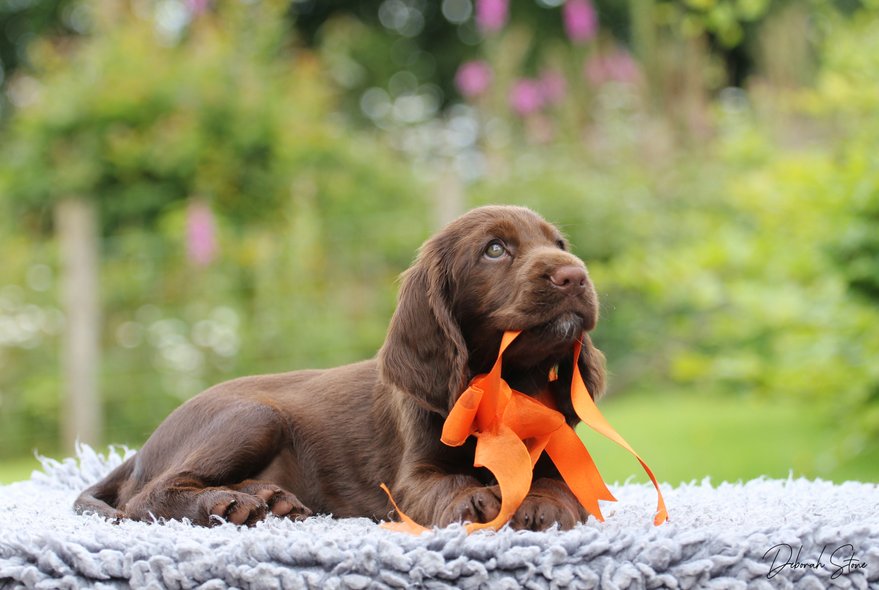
(493, 269)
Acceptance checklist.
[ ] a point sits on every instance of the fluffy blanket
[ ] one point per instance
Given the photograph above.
(763, 533)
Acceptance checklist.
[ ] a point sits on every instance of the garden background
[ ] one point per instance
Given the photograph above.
(193, 190)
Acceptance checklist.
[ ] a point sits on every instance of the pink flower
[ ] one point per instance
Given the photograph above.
(581, 20)
(201, 242)
(197, 7)
(473, 78)
(491, 15)
(554, 87)
(615, 66)
(526, 97)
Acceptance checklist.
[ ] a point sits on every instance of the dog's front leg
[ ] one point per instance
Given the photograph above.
(433, 498)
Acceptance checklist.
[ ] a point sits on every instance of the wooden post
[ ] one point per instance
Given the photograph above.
(448, 197)
(76, 223)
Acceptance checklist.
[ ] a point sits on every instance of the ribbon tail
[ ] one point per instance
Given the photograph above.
(588, 412)
(496, 391)
(578, 469)
(406, 524)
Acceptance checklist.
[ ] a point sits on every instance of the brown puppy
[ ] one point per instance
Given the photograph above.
(321, 441)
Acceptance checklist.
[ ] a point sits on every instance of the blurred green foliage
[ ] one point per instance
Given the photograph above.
(313, 223)
(137, 122)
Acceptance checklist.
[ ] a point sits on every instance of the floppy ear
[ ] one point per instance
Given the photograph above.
(592, 369)
(424, 353)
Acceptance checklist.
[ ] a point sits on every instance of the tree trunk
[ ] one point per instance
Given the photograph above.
(76, 223)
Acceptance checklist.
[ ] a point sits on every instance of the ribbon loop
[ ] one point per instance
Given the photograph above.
(459, 424)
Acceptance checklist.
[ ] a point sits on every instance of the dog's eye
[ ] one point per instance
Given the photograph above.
(495, 250)
(561, 244)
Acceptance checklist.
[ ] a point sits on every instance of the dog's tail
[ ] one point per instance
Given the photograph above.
(103, 497)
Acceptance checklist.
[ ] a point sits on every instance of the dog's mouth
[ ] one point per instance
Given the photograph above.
(549, 334)
(566, 327)
(549, 341)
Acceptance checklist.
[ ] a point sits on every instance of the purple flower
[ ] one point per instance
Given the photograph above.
(526, 97)
(201, 242)
(581, 20)
(615, 66)
(491, 15)
(554, 87)
(473, 78)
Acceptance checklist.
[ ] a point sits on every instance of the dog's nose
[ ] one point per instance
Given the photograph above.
(569, 279)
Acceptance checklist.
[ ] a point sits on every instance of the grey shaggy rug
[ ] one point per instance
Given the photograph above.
(759, 534)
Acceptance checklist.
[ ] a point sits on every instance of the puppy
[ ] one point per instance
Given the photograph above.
(321, 441)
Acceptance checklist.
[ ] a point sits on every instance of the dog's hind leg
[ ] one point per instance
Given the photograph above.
(200, 464)
(103, 497)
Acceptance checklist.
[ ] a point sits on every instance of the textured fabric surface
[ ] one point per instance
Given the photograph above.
(718, 537)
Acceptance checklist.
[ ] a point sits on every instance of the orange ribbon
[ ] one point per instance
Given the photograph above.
(512, 430)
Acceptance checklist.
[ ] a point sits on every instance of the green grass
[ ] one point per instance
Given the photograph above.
(17, 469)
(685, 438)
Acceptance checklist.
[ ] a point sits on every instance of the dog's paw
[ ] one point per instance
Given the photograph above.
(539, 513)
(280, 502)
(219, 506)
(550, 502)
(474, 504)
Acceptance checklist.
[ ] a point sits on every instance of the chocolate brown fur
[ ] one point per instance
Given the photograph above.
(321, 441)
